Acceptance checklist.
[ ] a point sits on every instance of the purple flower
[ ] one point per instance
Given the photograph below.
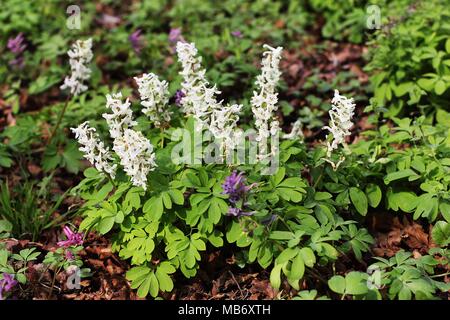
(18, 61)
(109, 21)
(237, 34)
(137, 42)
(69, 255)
(175, 35)
(16, 45)
(236, 212)
(178, 96)
(235, 187)
(73, 238)
(6, 284)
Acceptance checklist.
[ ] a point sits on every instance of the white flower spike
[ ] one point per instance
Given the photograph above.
(94, 150)
(341, 115)
(80, 56)
(121, 117)
(200, 100)
(154, 97)
(264, 101)
(136, 156)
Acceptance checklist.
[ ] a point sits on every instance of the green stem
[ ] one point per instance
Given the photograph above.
(58, 122)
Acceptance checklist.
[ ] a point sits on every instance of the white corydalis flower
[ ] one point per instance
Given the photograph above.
(93, 148)
(80, 56)
(296, 131)
(136, 156)
(121, 117)
(154, 97)
(264, 101)
(341, 115)
(199, 99)
(223, 127)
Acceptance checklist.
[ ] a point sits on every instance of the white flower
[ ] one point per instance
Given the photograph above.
(94, 150)
(223, 126)
(121, 117)
(264, 101)
(199, 99)
(136, 156)
(154, 97)
(296, 131)
(80, 56)
(341, 114)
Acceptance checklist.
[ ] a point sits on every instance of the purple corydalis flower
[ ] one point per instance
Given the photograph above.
(6, 284)
(178, 96)
(175, 35)
(235, 187)
(237, 34)
(69, 255)
(137, 41)
(73, 238)
(236, 212)
(19, 61)
(16, 45)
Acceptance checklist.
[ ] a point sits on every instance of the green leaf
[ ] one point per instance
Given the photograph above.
(144, 288)
(286, 255)
(444, 207)
(441, 233)
(398, 175)
(359, 200)
(373, 193)
(308, 257)
(154, 285)
(355, 283)
(275, 276)
(106, 224)
(337, 284)
(297, 267)
(278, 177)
(440, 87)
(177, 196)
(281, 235)
(165, 282)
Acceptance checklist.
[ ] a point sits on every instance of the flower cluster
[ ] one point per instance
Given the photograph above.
(17, 47)
(80, 56)
(73, 238)
(223, 125)
(341, 115)
(121, 117)
(133, 149)
(175, 36)
(235, 187)
(154, 97)
(199, 100)
(6, 284)
(136, 156)
(94, 149)
(264, 101)
(137, 41)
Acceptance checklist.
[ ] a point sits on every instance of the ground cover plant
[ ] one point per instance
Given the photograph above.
(289, 150)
